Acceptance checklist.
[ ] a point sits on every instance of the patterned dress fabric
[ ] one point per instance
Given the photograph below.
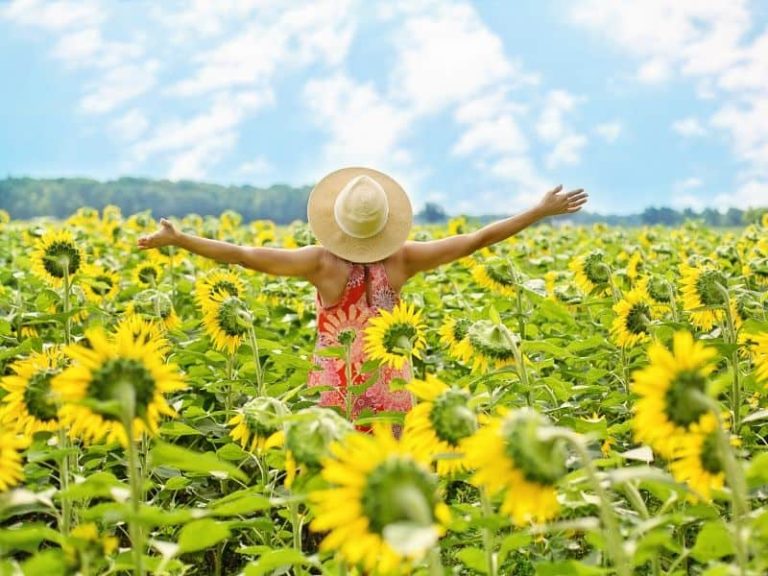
(351, 314)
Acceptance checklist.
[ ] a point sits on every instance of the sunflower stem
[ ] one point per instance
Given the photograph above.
(734, 475)
(293, 507)
(611, 531)
(127, 395)
(66, 505)
(256, 360)
(488, 540)
(520, 365)
(636, 499)
(67, 324)
(734, 360)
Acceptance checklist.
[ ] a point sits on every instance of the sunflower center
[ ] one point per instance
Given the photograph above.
(637, 318)
(710, 454)
(684, 404)
(398, 491)
(451, 418)
(225, 286)
(230, 317)
(595, 269)
(660, 290)
(148, 275)
(399, 338)
(115, 373)
(460, 328)
(490, 340)
(540, 461)
(37, 395)
(61, 258)
(101, 285)
(708, 290)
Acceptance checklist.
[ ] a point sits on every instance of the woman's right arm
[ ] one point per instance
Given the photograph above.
(276, 261)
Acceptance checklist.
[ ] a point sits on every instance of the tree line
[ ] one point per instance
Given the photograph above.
(25, 198)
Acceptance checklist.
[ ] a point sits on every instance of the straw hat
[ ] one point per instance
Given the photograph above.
(359, 214)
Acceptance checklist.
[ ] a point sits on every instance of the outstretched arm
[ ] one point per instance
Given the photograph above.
(276, 261)
(419, 256)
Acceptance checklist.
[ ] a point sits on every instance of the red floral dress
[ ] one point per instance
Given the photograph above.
(351, 314)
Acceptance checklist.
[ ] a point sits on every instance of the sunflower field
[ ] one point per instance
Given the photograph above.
(588, 401)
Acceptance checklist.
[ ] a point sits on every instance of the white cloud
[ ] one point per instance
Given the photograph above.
(194, 144)
(301, 36)
(447, 55)
(363, 127)
(609, 131)
(567, 151)
(54, 16)
(689, 127)
(259, 166)
(118, 86)
(711, 42)
(751, 194)
(682, 201)
(553, 129)
(130, 126)
(502, 135)
(688, 183)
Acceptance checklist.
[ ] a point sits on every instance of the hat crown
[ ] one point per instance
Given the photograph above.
(361, 208)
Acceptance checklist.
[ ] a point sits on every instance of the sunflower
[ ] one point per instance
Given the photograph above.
(393, 337)
(101, 283)
(144, 330)
(156, 306)
(492, 345)
(635, 266)
(591, 272)
(380, 487)
(258, 425)
(11, 472)
(634, 314)
(760, 354)
(148, 273)
(218, 281)
(103, 374)
(226, 320)
(700, 289)
(497, 275)
(659, 289)
(28, 404)
(439, 422)
(509, 456)
(697, 460)
(453, 335)
(669, 390)
(56, 257)
(310, 433)
(85, 548)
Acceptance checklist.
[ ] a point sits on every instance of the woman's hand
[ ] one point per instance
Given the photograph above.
(555, 202)
(166, 235)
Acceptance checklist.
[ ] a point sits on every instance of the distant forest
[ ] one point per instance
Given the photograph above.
(25, 198)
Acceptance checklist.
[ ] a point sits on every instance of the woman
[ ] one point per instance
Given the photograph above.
(361, 219)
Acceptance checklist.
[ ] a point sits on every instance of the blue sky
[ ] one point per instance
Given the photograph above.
(479, 106)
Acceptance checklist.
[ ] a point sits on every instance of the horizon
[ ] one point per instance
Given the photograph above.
(468, 105)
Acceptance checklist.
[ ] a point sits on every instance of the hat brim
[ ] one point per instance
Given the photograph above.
(320, 214)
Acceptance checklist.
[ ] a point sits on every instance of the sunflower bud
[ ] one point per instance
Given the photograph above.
(452, 418)
(540, 460)
(309, 436)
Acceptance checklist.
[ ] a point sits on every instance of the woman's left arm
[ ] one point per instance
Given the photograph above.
(420, 256)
